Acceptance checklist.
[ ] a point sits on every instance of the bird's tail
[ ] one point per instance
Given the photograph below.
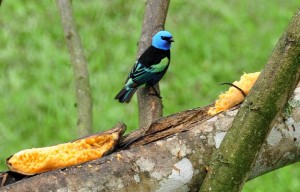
(125, 95)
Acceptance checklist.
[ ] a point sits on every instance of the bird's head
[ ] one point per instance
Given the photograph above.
(162, 40)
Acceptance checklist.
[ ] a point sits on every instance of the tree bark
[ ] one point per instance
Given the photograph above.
(173, 156)
(231, 163)
(82, 85)
(150, 107)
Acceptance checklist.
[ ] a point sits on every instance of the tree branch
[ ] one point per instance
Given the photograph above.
(150, 107)
(82, 85)
(231, 163)
(177, 160)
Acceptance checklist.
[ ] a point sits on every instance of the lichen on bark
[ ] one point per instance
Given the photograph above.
(231, 163)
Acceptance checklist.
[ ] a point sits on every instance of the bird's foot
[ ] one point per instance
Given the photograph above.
(155, 93)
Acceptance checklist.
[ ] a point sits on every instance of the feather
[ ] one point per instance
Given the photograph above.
(124, 96)
(150, 67)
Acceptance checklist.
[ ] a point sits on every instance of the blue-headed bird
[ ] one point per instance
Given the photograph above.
(150, 66)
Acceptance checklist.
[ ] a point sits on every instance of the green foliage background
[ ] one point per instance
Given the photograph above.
(216, 41)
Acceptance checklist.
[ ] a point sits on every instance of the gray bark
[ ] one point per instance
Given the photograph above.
(230, 168)
(177, 160)
(82, 85)
(150, 107)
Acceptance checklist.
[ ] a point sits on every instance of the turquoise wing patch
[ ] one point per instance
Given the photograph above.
(141, 74)
(158, 67)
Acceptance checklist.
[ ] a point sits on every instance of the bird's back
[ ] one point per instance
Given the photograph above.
(153, 56)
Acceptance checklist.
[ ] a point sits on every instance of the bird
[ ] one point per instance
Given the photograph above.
(150, 67)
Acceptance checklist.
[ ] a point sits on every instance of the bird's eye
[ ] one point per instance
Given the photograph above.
(165, 38)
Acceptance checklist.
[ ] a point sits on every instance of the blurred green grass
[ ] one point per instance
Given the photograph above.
(216, 41)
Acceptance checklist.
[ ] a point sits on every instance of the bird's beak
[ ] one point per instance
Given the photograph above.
(171, 40)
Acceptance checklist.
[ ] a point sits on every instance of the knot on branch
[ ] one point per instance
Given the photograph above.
(69, 35)
(288, 42)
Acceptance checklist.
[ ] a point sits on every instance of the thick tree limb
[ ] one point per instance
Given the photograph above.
(231, 164)
(83, 91)
(177, 161)
(150, 107)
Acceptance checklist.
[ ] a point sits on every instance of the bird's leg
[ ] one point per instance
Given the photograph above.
(155, 92)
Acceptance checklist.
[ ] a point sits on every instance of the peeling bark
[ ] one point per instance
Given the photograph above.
(177, 160)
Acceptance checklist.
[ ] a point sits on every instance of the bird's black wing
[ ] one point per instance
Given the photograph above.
(150, 67)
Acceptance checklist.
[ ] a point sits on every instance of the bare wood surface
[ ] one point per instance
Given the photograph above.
(178, 161)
